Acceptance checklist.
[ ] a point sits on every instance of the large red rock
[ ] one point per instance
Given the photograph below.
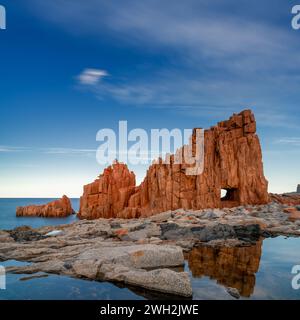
(232, 161)
(109, 195)
(55, 209)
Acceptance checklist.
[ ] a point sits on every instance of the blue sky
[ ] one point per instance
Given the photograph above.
(165, 64)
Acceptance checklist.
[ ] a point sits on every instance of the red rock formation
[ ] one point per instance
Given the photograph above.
(233, 161)
(55, 209)
(109, 194)
(290, 199)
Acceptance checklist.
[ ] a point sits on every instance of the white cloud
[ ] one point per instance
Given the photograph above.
(226, 56)
(54, 151)
(294, 141)
(242, 40)
(7, 149)
(69, 151)
(91, 76)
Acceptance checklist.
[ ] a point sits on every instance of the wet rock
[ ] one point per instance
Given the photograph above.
(233, 292)
(54, 233)
(25, 233)
(249, 232)
(161, 280)
(172, 231)
(217, 231)
(87, 268)
(125, 263)
(245, 232)
(38, 276)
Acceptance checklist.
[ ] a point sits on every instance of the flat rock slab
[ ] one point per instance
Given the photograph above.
(162, 280)
(115, 262)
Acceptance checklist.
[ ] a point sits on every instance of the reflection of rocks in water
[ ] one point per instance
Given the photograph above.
(231, 266)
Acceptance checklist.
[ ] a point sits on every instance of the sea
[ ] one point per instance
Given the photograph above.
(267, 270)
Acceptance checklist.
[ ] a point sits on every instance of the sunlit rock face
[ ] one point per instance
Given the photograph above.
(233, 267)
(232, 162)
(109, 195)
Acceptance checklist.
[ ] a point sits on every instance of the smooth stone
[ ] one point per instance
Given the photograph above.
(54, 233)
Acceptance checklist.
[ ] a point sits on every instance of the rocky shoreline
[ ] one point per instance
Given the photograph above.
(143, 252)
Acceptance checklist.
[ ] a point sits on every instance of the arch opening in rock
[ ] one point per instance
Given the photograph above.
(229, 194)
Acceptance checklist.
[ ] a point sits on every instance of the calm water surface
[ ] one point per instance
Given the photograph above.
(261, 271)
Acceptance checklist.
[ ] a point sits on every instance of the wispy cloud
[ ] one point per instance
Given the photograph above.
(69, 151)
(230, 56)
(54, 151)
(290, 141)
(7, 149)
(91, 76)
(239, 39)
(202, 97)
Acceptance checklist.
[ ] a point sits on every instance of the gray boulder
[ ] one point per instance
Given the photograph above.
(161, 280)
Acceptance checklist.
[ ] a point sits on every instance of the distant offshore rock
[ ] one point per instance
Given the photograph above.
(56, 209)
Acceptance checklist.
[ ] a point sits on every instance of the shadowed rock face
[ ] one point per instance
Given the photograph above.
(232, 161)
(233, 267)
(55, 209)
